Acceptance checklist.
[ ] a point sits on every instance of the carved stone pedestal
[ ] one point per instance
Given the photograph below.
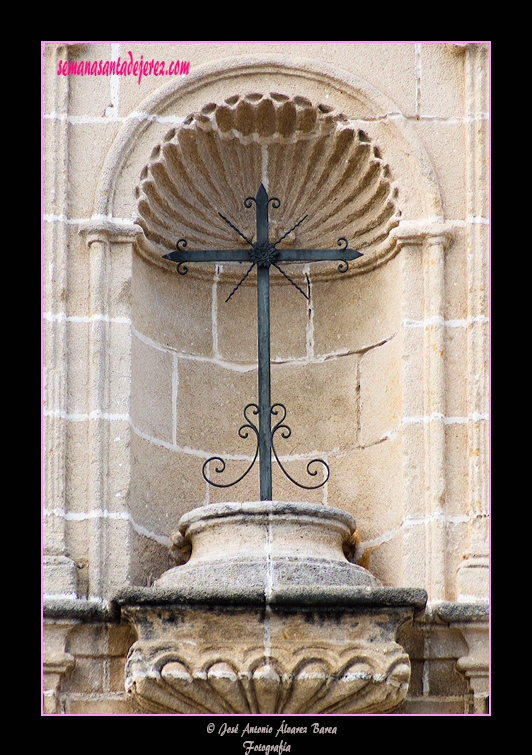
(268, 616)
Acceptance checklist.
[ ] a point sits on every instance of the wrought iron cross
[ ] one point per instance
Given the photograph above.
(263, 254)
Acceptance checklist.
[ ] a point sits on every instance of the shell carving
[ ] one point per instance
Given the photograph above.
(313, 159)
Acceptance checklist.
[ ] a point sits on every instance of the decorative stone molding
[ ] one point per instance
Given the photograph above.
(106, 230)
(311, 157)
(419, 232)
(309, 666)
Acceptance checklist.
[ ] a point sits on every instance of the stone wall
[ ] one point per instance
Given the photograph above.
(383, 369)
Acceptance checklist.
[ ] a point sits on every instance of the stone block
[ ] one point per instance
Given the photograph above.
(458, 536)
(119, 639)
(54, 135)
(179, 316)
(455, 345)
(353, 313)
(247, 489)
(59, 575)
(321, 403)
(77, 295)
(400, 57)
(77, 463)
(456, 467)
(415, 549)
(442, 81)
(456, 293)
(119, 455)
(89, 144)
(410, 261)
(125, 198)
(105, 706)
(415, 688)
(78, 386)
(116, 534)
(237, 319)
(353, 486)
(89, 95)
(412, 372)
(119, 339)
(117, 675)
(380, 391)
(148, 556)
(165, 484)
(210, 405)
(87, 676)
(151, 400)
(445, 145)
(119, 280)
(284, 489)
(88, 640)
(411, 638)
(77, 544)
(443, 680)
(385, 561)
(431, 706)
(413, 469)
(442, 643)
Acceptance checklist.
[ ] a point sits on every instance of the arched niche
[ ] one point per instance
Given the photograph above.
(310, 132)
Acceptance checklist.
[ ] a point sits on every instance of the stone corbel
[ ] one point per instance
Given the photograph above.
(472, 619)
(57, 663)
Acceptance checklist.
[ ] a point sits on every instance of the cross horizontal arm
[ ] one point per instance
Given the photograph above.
(315, 255)
(209, 255)
(282, 255)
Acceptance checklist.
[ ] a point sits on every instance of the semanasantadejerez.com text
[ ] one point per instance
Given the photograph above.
(124, 67)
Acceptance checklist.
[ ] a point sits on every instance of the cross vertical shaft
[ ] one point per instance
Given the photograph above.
(263, 316)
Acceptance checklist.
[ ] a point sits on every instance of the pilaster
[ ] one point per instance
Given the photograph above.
(109, 244)
(423, 248)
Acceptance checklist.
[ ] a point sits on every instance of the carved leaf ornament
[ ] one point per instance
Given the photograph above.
(311, 157)
(367, 680)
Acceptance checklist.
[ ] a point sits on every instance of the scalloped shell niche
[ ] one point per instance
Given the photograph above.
(311, 157)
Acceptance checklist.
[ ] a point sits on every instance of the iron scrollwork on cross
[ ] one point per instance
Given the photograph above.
(263, 254)
(285, 433)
